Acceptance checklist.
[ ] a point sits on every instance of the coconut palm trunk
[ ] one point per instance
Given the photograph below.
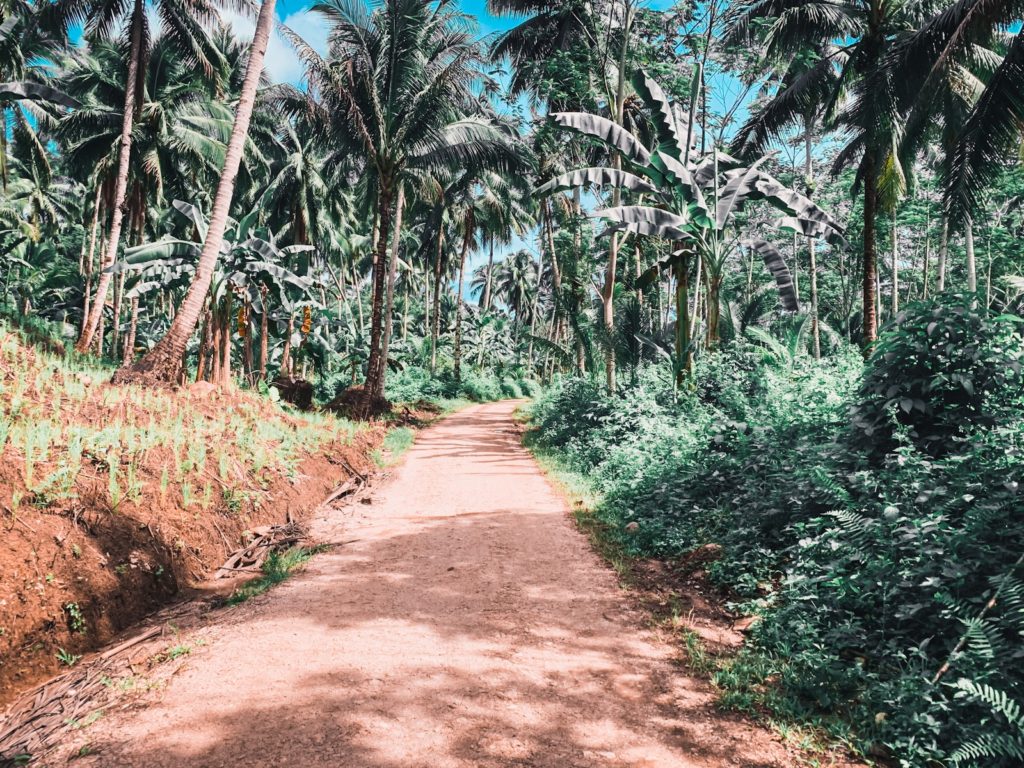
(490, 277)
(811, 255)
(376, 365)
(163, 363)
(467, 241)
(392, 274)
(121, 183)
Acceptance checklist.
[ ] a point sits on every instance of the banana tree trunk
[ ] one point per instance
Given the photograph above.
(121, 183)
(684, 356)
(714, 310)
(286, 350)
(129, 339)
(163, 363)
(264, 333)
(870, 265)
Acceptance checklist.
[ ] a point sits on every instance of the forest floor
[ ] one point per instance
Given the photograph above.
(464, 623)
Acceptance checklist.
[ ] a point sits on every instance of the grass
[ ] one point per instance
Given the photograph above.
(396, 442)
(276, 568)
(61, 423)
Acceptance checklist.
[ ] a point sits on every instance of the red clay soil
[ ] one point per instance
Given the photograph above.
(116, 566)
(465, 623)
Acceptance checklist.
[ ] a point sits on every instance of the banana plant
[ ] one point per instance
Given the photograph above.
(251, 267)
(691, 200)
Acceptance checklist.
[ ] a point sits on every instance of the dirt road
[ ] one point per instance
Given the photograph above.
(467, 625)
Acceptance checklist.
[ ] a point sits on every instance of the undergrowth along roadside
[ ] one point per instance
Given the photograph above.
(868, 514)
(669, 610)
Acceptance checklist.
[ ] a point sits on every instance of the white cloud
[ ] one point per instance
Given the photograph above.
(282, 63)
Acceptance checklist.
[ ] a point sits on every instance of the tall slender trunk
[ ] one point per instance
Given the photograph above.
(225, 340)
(684, 355)
(940, 280)
(466, 242)
(392, 273)
(264, 333)
(870, 253)
(972, 268)
(286, 350)
(811, 254)
(205, 347)
(163, 363)
(435, 319)
(129, 339)
(115, 328)
(490, 276)
(121, 183)
(534, 312)
(895, 265)
(375, 368)
(91, 260)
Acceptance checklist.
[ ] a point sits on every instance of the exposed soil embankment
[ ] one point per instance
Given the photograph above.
(113, 500)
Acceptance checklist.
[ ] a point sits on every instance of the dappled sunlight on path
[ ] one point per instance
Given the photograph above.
(466, 624)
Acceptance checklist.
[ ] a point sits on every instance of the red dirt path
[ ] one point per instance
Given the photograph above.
(468, 625)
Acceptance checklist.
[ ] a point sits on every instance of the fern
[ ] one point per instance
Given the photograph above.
(992, 745)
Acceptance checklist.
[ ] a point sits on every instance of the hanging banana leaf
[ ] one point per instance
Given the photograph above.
(776, 264)
(152, 253)
(193, 214)
(739, 187)
(645, 220)
(596, 177)
(670, 138)
(704, 172)
(817, 224)
(610, 133)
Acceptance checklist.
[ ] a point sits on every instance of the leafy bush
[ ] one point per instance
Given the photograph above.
(944, 368)
(885, 557)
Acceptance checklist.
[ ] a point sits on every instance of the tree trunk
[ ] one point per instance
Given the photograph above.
(392, 273)
(264, 333)
(121, 184)
(129, 340)
(163, 363)
(972, 268)
(115, 328)
(490, 275)
(466, 242)
(895, 265)
(435, 319)
(684, 355)
(205, 345)
(87, 272)
(375, 368)
(811, 255)
(225, 340)
(714, 310)
(286, 350)
(870, 254)
(940, 284)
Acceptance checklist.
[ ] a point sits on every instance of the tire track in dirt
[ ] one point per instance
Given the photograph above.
(468, 625)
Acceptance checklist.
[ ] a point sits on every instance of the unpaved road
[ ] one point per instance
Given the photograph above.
(469, 625)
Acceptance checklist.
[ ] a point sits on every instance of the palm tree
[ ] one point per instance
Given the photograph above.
(183, 23)
(858, 97)
(162, 364)
(396, 91)
(954, 82)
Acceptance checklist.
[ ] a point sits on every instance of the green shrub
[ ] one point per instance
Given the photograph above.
(873, 551)
(941, 369)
